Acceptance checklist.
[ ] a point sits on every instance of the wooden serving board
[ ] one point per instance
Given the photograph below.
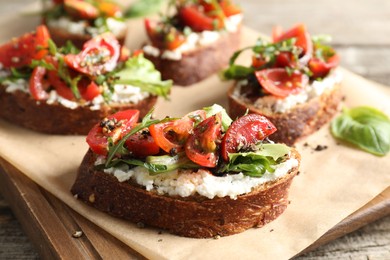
(50, 224)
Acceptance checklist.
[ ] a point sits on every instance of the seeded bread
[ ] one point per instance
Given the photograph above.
(60, 36)
(195, 216)
(20, 108)
(200, 63)
(298, 122)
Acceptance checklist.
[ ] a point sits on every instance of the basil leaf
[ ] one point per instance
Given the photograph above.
(140, 72)
(166, 163)
(255, 164)
(143, 8)
(237, 72)
(364, 127)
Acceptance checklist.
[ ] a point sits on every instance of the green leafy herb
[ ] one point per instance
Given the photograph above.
(18, 74)
(140, 72)
(143, 8)
(214, 109)
(42, 63)
(365, 127)
(119, 147)
(255, 164)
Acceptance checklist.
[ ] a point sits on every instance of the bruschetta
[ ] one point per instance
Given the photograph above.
(79, 21)
(195, 40)
(201, 176)
(292, 80)
(67, 91)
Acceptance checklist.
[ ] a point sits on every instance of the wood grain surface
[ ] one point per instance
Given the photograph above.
(361, 32)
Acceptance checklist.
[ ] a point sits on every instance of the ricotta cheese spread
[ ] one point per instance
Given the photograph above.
(195, 40)
(122, 94)
(185, 183)
(117, 27)
(282, 105)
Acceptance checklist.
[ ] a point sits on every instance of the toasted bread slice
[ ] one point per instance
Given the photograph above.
(198, 64)
(20, 108)
(195, 216)
(296, 123)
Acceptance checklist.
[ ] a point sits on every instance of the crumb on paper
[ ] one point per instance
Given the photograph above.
(77, 234)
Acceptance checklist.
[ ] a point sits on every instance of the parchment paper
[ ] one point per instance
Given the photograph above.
(332, 183)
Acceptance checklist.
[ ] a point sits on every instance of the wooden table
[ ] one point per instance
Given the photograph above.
(360, 32)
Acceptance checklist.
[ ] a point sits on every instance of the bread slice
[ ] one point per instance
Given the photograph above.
(296, 123)
(200, 63)
(20, 108)
(195, 216)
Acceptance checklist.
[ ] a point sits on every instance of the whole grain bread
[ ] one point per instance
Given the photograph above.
(20, 108)
(200, 63)
(298, 122)
(195, 216)
(60, 36)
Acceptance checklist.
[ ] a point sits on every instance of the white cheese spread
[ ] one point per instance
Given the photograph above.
(282, 105)
(185, 183)
(117, 27)
(122, 94)
(195, 40)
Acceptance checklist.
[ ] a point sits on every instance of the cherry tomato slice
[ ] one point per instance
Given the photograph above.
(142, 144)
(109, 9)
(36, 84)
(81, 9)
(279, 83)
(21, 51)
(88, 89)
(303, 40)
(98, 56)
(193, 17)
(160, 38)
(229, 8)
(172, 135)
(97, 138)
(59, 85)
(321, 68)
(246, 131)
(201, 146)
(285, 59)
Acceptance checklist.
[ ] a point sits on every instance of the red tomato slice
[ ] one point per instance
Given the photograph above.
(201, 146)
(197, 20)
(142, 144)
(99, 55)
(303, 40)
(321, 68)
(172, 135)
(279, 83)
(98, 140)
(88, 89)
(160, 39)
(81, 9)
(21, 51)
(59, 85)
(245, 132)
(229, 8)
(36, 84)
(258, 62)
(109, 9)
(285, 59)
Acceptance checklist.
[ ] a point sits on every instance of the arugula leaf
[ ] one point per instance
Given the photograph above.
(237, 72)
(255, 164)
(364, 127)
(143, 8)
(119, 147)
(140, 72)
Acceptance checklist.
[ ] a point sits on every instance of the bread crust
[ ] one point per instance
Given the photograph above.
(60, 36)
(298, 122)
(20, 108)
(194, 216)
(198, 64)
